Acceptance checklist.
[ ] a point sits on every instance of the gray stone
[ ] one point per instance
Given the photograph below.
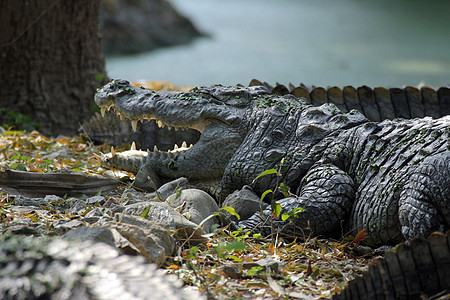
(231, 270)
(131, 196)
(22, 229)
(267, 263)
(158, 212)
(146, 179)
(97, 234)
(72, 206)
(62, 226)
(26, 201)
(147, 246)
(158, 233)
(124, 245)
(245, 202)
(94, 213)
(91, 219)
(196, 206)
(163, 214)
(54, 199)
(96, 199)
(170, 187)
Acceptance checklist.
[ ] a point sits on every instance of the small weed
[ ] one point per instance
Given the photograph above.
(16, 120)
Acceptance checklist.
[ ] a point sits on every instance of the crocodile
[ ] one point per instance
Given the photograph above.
(53, 268)
(376, 104)
(391, 178)
(419, 270)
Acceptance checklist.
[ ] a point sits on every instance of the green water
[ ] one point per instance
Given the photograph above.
(317, 42)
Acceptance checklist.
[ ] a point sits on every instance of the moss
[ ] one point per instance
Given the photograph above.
(286, 105)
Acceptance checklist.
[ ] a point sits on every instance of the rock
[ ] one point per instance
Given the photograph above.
(158, 233)
(124, 245)
(27, 201)
(196, 205)
(73, 206)
(245, 202)
(62, 226)
(266, 263)
(157, 212)
(231, 270)
(132, 196)
(147, 246)
(96, 199)
(91, 219)
(96, 234)
(94, 213)
(166, 216)
(22, 229)
(146, 179)
(130, 26)
(170, 187)
(54, 199)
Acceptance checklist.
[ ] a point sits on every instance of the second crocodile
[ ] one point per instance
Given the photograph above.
(391, 178)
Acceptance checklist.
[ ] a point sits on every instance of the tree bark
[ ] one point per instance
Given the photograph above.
(50, 61)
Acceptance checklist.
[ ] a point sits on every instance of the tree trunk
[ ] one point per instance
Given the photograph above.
(50, 61)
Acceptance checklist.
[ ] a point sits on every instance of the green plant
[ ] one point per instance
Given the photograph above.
(21, 163)
(284, 189)
(19, 121)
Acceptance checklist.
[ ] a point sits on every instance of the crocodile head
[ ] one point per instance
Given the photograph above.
(217, 112)
(244, 131)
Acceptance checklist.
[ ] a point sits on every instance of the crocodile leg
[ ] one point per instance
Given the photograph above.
(326, 196)
(423, 203)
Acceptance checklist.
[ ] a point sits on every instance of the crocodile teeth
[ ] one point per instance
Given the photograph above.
(133, 146)
(184, 145)
(190, 146)
(155, 149)
(169, 127)
(160, 124)
(103, 111)
(175, 147)
(134, 125)
(113, 152)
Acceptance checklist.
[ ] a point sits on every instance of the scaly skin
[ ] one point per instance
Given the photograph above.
(376, 104)
(420, 270)
(52, 268)
(391, 178)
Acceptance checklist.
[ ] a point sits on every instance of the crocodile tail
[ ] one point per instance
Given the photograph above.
(420, 269)
(376, 104)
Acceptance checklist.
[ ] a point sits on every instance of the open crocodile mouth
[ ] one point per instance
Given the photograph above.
(177, 148)
(134, 158)
(198, 125)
